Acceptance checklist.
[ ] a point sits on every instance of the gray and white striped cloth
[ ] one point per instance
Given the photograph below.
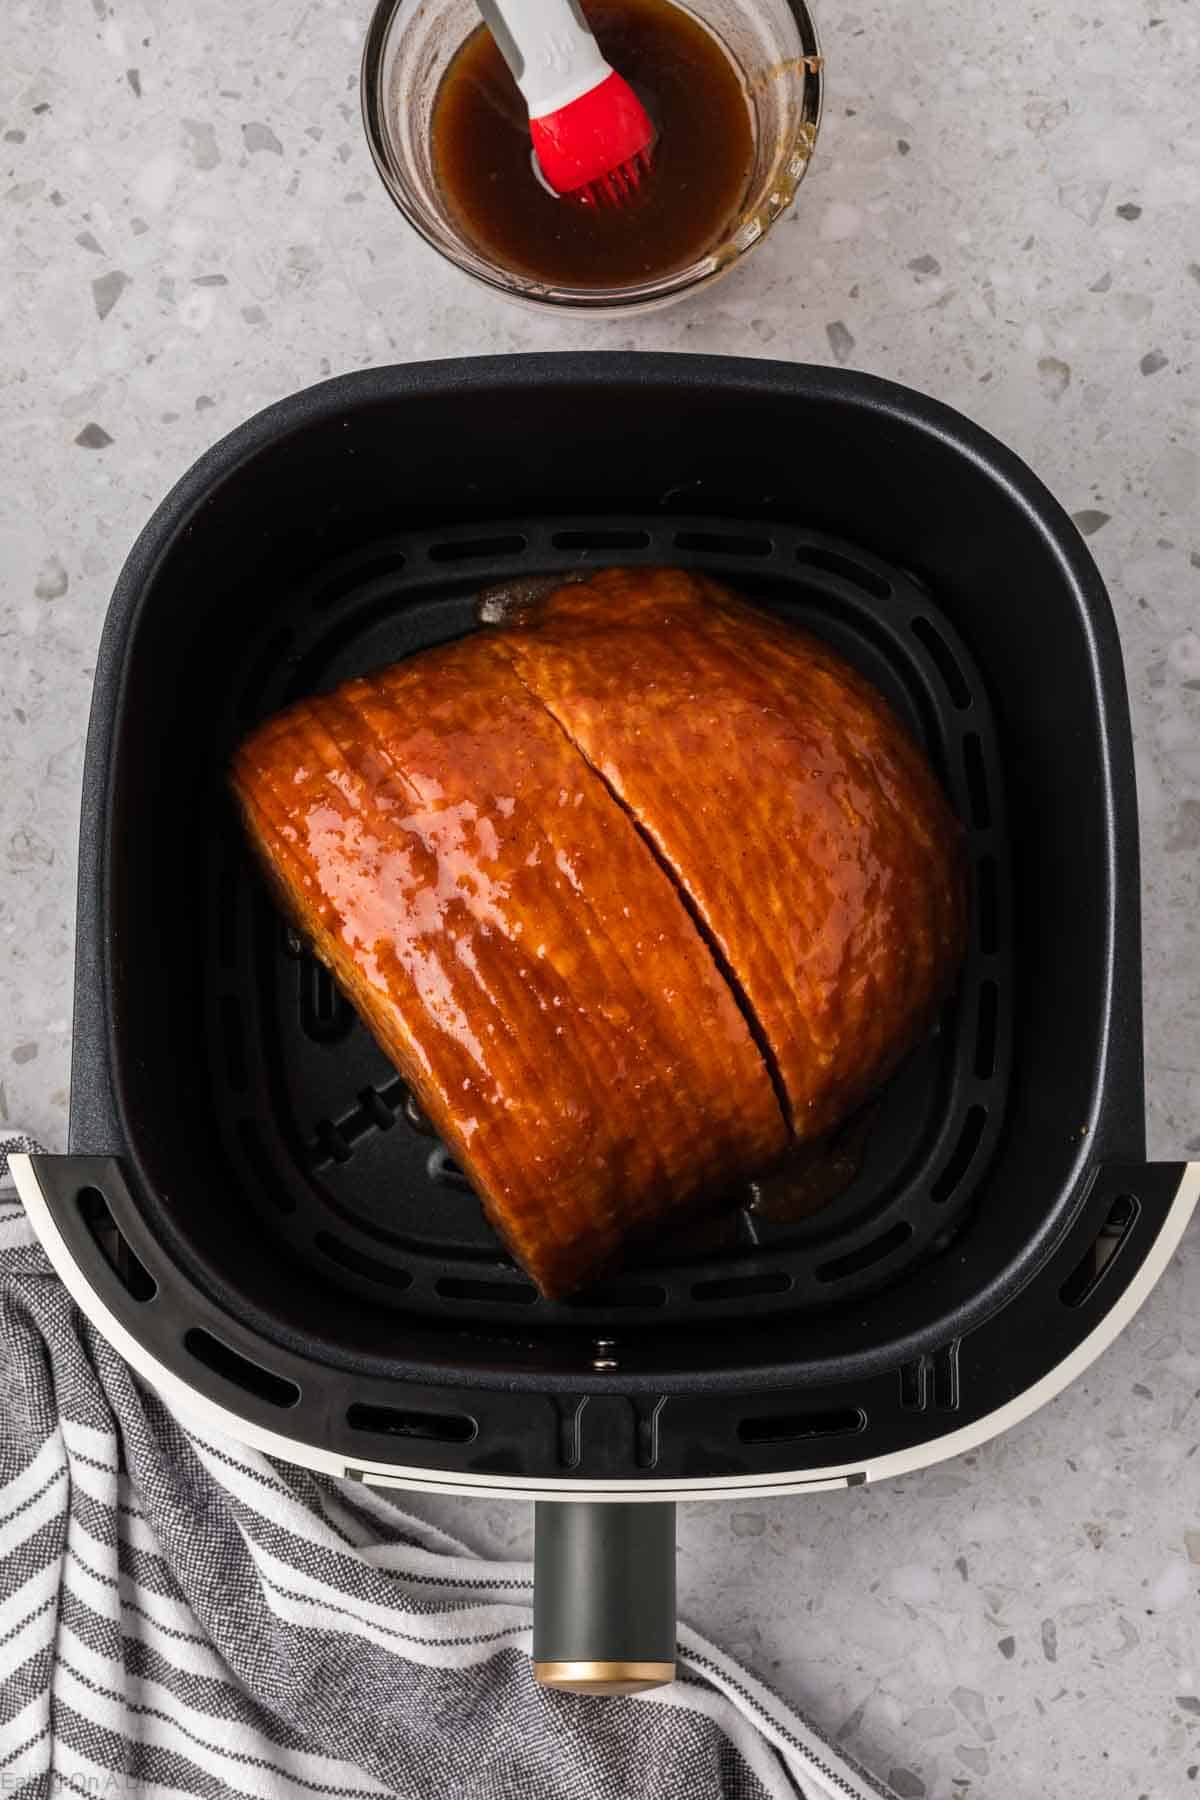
(180, 1615)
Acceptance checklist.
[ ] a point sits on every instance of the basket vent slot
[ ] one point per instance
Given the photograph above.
(464, 1287)
(234, 1038)
(977, 784)
(813, 557)
(792, 1428)
(324, 1015)
(266, 1171)
(601, 539)
(724, 543)
(233, 1367)
(374, 1268)
(264, 670)
(227, 907)
(109, 1239)
(985, 901)
(960, 1160)
(944, 660)
(985, 1030)
(617, 1294)
(742, 1287)
(867, 1254)
(435, 1428)
(349, 581)
(473, 549)
(1100, 1254)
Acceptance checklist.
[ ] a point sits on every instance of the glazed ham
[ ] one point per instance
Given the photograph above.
(510, 939)
(633, 889)
(798, 817)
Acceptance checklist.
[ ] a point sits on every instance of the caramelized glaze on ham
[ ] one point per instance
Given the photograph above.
(797, 815)
(631, 889)
(513, 944)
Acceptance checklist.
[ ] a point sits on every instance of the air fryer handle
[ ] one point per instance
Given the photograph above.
(604, 1595)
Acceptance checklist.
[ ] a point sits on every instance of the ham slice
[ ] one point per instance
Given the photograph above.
(503, 929)
(799, 819)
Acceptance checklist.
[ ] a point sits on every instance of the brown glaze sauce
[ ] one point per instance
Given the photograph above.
(811, 1175)
(806, 1179)
(692, 90)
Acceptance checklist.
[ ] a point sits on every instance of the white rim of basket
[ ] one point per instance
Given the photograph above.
(196, 1409)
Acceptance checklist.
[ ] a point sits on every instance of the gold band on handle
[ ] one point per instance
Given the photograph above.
(604, 1677)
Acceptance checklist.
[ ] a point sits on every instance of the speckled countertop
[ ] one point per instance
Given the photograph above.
(1002, 211)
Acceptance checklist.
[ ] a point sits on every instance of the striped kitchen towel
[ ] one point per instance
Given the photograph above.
(180, 1615)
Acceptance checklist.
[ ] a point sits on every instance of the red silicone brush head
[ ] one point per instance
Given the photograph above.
(596, 148)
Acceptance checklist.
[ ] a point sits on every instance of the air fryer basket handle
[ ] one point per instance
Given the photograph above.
(604, 1595)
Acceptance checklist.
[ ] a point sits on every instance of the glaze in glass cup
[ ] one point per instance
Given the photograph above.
(410, 45)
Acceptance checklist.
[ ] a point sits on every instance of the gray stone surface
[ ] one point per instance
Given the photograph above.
(1003, 212)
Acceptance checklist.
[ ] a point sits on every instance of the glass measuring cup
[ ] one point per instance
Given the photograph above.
(410, 46)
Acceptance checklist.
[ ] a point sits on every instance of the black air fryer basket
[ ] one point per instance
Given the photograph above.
(251, 1208)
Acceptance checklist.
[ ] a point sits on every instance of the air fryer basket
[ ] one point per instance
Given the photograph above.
(251, 1206)
(319, 1132)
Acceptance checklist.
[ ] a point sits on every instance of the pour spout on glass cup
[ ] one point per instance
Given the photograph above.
(593, 140)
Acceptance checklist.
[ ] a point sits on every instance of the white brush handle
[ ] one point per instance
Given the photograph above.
(548, 46)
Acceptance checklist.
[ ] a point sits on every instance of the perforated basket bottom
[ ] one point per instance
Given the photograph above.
(318, 1130)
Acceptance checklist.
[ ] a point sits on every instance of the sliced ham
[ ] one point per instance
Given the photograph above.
(504, 930)
(634, 888)
(799, 819)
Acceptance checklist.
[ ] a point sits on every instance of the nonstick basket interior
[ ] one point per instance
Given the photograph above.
(272, 1149)
(319, 1132)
